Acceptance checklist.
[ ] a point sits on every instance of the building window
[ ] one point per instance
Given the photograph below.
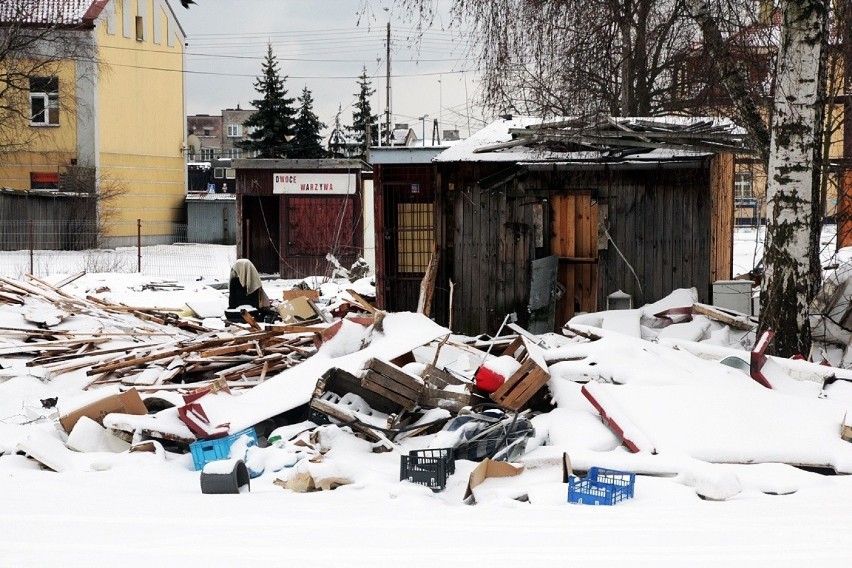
(207, 131)
(140, 29)
(207, 154)
(235, 131)
(235, 153)
(44, 180)
(743, 186)
(44, 101)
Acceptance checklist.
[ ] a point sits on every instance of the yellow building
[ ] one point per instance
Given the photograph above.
(105, 96)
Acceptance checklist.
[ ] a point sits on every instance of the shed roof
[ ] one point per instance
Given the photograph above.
(642, 139)
(300, 164)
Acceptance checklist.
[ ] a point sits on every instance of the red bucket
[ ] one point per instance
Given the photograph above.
(488, 380)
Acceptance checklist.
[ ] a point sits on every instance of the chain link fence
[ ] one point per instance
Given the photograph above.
(44, 248)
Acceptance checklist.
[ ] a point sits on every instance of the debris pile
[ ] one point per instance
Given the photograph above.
(295, 402)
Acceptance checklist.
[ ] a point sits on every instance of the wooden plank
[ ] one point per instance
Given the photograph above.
(394, 372)
(449, 400)
(70, 279)
(717, 314)
(438, 378)
(227, 350)
(133, 359)
(361, 301)
(380, 383)
(250, 320)
(341, 415)
(679, 234)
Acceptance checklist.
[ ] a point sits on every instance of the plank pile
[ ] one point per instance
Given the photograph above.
(144, 348)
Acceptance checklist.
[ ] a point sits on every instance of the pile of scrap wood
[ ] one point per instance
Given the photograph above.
(177, 363)
(137, 347)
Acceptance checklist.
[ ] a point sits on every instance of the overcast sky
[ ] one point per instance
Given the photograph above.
(324, 44)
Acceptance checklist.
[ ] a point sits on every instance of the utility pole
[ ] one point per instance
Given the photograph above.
(388, 105)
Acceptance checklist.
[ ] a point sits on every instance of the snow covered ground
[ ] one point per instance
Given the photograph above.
(144, 509)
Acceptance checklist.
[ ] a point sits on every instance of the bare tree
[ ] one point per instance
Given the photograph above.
(571, 57)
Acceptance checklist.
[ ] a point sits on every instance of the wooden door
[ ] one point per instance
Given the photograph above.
(575, 241)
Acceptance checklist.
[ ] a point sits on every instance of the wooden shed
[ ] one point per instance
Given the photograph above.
(404, 182)
(291, 214)
(547, 220)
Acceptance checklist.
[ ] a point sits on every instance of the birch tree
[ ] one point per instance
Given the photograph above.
(794, 208)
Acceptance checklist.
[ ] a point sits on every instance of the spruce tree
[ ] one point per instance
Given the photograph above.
(308, 141)
(362, 116)
(271, 127)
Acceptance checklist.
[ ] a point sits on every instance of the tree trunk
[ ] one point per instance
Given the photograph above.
(791, 257)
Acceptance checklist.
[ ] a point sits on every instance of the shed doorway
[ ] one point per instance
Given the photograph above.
(409, 238)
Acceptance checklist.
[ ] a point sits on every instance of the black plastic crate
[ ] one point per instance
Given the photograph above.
(429, 467)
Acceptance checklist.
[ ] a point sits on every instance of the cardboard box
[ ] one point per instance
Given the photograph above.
(125, 403)
(310, 294)
(489, 468)
(297, 310)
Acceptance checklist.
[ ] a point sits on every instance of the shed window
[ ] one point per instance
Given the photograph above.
(44, 101)
(416, 236)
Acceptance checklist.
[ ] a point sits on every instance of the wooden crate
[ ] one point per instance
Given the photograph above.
(341, 382)
(518, 389)
(435, 395)
(392, 383)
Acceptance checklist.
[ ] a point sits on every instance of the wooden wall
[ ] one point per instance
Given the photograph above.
(645, 232)
(659, 227)
(487, 248)
(722, 169)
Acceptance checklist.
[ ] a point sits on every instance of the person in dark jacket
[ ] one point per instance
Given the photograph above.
(245, 287)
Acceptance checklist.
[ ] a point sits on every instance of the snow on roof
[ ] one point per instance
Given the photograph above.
(500, 141)
(51, 11)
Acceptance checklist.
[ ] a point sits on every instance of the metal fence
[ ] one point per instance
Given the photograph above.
(43, 248)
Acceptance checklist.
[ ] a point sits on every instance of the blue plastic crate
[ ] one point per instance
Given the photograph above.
(204, 451)
(601, 487)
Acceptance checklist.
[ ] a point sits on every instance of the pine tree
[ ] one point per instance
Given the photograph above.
(272, 126)
(308, 141)
(362, 116)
